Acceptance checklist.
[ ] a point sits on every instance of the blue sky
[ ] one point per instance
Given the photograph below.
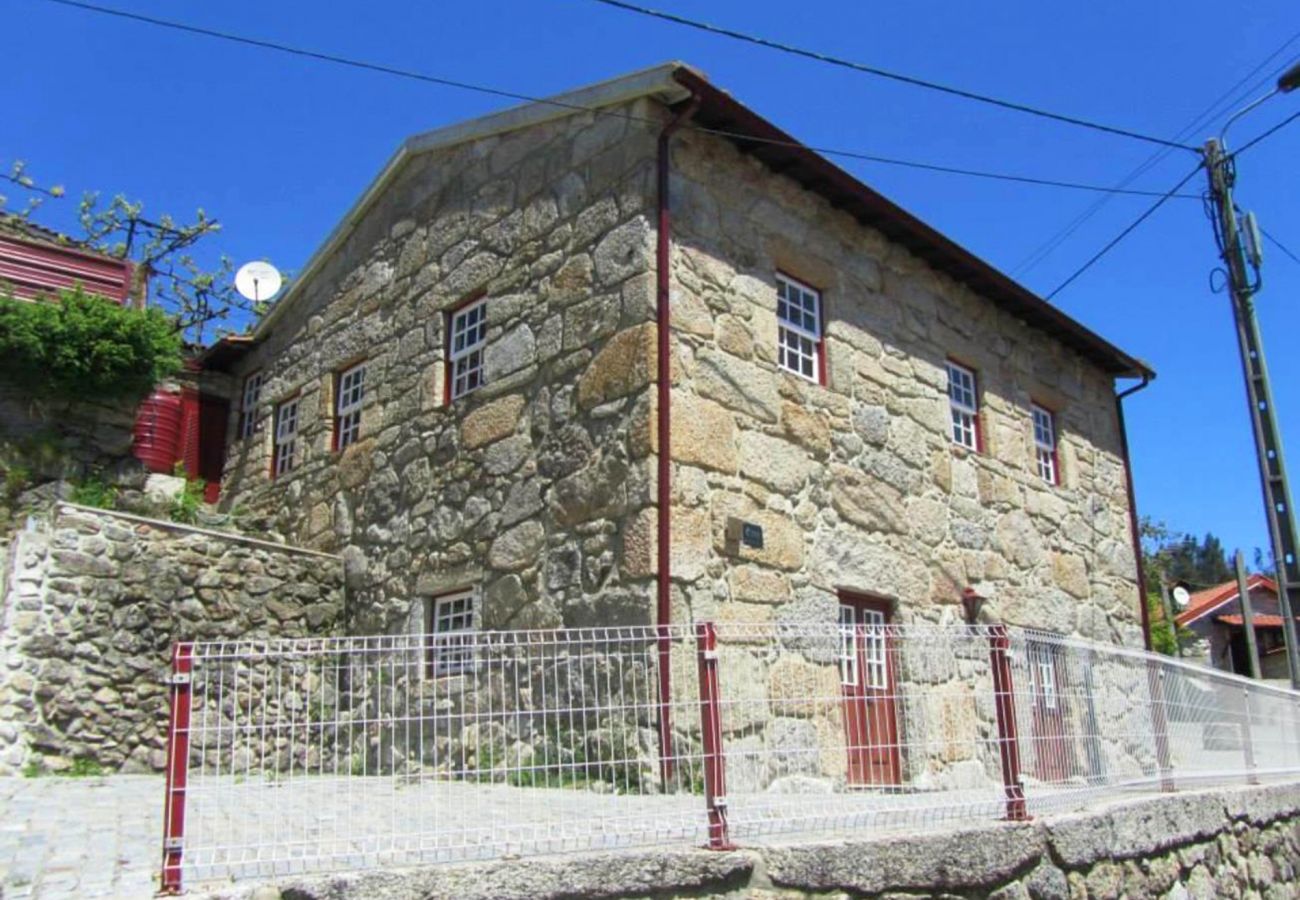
(277, 148)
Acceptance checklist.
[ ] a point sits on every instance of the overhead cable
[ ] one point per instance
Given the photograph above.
(1125, 233)
(527, 98)
(885, 73)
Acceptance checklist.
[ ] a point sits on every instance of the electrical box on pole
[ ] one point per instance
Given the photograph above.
(1234, 247)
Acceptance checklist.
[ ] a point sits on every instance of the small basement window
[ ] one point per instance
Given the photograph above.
(350, 391)
(1049, 468)
(452, 633)
(248, 422)
(800, 345)
(284, 452)
(963, 399)
(467, 336)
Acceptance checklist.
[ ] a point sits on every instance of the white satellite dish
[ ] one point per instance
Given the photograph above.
(1182, 597)
(258, 281)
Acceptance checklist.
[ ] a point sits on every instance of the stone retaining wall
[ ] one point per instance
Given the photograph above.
(93, 601)
(1230, 842)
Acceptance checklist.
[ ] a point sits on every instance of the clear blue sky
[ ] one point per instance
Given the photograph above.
(277, 148)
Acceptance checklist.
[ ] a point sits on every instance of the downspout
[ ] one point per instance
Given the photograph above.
(663, 370)
(1134, 528)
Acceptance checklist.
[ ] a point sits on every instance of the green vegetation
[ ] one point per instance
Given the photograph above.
(82, 767)
(82, 347)
(94, 491)
(186, 505)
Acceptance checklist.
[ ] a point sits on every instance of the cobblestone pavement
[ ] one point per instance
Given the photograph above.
(79, 837)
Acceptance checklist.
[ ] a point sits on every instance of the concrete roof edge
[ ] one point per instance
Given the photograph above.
(649, 82)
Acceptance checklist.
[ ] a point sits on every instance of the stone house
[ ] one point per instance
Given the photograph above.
(634, 353)
(1215, 616)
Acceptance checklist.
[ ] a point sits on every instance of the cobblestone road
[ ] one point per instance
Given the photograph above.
(79, 837)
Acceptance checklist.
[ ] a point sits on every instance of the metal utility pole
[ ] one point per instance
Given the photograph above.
(1239, 244)
(1165, 588)
(1247, 614)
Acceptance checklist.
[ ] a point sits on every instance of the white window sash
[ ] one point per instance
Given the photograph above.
(457, 318)
(351, 381)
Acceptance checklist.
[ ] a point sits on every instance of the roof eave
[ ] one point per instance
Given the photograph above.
(778, 149)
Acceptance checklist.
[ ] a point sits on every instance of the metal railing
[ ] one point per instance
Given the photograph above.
(304, 755)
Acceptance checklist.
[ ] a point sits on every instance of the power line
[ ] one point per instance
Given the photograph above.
(514, 95)
(1125, 233)
(885, 73)
(1228, 99)
(1281, 246)
(1278, 127)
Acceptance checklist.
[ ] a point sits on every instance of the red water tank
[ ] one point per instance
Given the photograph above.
(158, 431)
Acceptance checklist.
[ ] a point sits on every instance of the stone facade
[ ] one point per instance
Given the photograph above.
(538, 488)
(95, 600)
(857, 482)
(522, 488)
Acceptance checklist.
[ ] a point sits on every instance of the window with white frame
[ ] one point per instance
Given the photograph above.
(284, 452)
(347, 406)
(248, 421)
(1047, 679)
(451, 626)
(868, 625)
(964, 403)
(468, 335)
(1045, 444)
(799, 328)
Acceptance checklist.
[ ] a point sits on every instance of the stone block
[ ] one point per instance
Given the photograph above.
(703, 433)
(867, 501)
(808, 428)
(491, 421)
(778, 463)
(783, 539)
(623, 366)
(738, 385)
(518, 547)
(754, 584)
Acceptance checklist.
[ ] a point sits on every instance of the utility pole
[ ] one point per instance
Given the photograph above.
(1165, 599)
(1247, 614)
(1235, 250)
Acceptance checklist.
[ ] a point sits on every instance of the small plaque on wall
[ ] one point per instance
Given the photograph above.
(751, 535)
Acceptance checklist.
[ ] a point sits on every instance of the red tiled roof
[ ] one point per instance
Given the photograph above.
(1262, 620)
(1210, 599)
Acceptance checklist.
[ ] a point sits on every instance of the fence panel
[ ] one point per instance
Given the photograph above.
(359, 752)
(302, 755)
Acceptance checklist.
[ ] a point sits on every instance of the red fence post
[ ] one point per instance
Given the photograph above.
(715, 768)
(1004, 704)
(1160, 723)
(178, 757)
(667, 760)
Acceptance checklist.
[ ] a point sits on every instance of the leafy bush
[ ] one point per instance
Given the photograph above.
(186, 505)
(94, 491)
(82, 347)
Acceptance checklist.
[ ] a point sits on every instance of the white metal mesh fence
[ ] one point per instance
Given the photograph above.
(357, 752)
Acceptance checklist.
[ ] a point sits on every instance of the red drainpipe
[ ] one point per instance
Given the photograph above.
(663, 321)
(1134, 528)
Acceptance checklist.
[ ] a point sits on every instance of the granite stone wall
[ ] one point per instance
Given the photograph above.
(93, 602)
(857, 484)
(537, 489)
(1202, 845)
(522, 488)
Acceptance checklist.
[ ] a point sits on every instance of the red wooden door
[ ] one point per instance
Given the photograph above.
(867, 680)
(1053, 754)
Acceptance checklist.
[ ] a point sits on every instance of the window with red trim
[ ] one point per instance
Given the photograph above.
(349, 391)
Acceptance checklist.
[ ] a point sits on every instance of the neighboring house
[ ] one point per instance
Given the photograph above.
(461, 392)
(1215, 616)
(37, 262)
